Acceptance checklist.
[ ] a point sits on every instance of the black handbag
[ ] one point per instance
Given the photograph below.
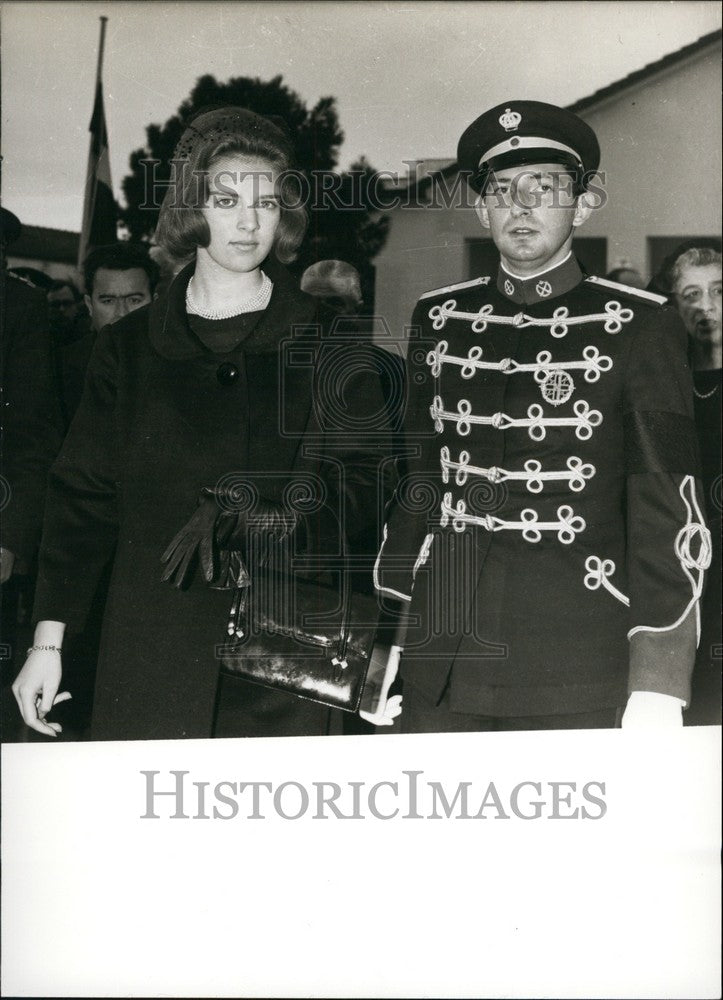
(302, 636)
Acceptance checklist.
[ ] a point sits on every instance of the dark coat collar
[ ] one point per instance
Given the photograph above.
(173, 338)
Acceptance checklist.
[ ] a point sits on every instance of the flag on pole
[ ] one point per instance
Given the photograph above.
(99, 211)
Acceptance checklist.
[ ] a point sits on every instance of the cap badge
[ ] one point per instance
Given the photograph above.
(510, 120)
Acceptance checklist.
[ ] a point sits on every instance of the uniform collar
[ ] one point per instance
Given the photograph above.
(538, 287)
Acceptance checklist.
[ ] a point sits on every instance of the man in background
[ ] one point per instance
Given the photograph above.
(30, 418)
(119, 278)
(68, 318)
(31, 437)
(629, 276)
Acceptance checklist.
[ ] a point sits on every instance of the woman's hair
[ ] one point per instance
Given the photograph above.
(229, 131)
(694, 257)
(696, 252)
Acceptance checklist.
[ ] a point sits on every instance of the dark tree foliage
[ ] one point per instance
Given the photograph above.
(342, 222)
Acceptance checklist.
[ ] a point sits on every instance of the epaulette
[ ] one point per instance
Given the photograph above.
(485, 280)
(633, 293)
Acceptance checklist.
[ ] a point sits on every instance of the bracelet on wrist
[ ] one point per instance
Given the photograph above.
(32, 649)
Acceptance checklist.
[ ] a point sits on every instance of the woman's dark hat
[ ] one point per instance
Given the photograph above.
(524, 132)
(217, 123)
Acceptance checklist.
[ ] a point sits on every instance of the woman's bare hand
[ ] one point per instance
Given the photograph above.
(36, 690)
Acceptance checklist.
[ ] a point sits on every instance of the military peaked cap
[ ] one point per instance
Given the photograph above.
(520, 132)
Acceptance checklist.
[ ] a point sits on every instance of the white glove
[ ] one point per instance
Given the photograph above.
(386, 716)
(376, 707)
(651, 710)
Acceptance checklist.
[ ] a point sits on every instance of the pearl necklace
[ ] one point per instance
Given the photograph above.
(259, 300)
(705, 395)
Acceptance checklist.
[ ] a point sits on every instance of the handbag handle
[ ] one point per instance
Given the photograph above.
(340, 659)
(238, 607)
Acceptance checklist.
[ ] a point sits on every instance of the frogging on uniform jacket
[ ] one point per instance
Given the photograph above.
(160, 418)
(549, 534)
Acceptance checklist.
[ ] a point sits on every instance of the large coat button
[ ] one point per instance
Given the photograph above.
(227, 373)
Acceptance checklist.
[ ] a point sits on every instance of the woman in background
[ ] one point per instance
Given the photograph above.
(692, 276)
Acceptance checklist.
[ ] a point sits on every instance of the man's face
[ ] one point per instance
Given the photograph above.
(698, 297)
(63, 307)
(116, 293)
(531, 213)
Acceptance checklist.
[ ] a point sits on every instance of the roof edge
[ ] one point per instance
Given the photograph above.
(650, 69)
(617, 86)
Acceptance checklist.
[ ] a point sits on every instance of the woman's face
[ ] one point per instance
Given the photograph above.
(242, 213)
(698, 296)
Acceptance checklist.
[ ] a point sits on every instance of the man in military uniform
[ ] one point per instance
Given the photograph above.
(548, 541)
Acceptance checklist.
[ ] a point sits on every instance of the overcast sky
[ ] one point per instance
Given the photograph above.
(409, 77)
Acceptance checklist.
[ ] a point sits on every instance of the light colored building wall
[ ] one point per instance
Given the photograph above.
(425, 249)
(661, 151)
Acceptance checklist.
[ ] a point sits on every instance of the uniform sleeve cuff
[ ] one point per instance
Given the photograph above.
(662, 662)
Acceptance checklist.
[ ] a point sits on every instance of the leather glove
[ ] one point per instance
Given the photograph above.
(263, 528)
(231, 572)
(270, 520)
(194, 544)
(217, 539)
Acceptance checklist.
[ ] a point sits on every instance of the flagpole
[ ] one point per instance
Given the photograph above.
(101, 48)
(91, 178)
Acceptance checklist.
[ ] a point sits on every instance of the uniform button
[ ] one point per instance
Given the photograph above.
(227, 373)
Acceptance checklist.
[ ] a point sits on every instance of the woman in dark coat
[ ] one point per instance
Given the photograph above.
(692, 275)
(216, 386)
